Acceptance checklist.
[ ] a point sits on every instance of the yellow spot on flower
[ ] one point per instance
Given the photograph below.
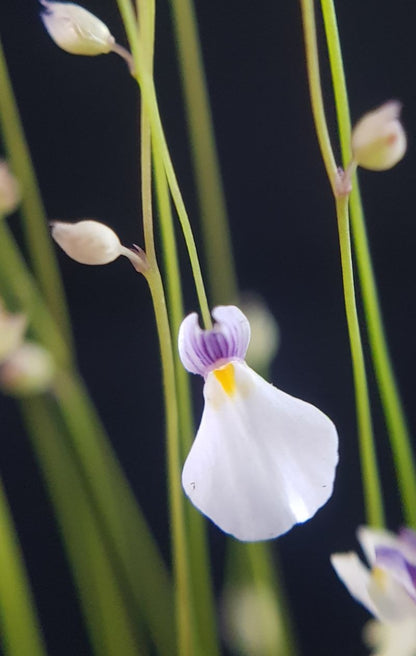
(226, 377)
(379, 577)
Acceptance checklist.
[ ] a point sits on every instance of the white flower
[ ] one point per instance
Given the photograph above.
(387, 589)
(262, 460)
(378, 139)
(75, 29)
(92, 242)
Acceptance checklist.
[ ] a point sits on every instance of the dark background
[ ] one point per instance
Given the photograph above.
(81, 116)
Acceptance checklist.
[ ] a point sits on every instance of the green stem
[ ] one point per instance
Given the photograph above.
(145, 80)
(184, 611)
(389, 393)
(370, 476)
(20, 634)
(315, 90)
(35, 225)
(216, 234)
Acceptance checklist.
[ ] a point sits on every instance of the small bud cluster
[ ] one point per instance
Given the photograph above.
(25, 367)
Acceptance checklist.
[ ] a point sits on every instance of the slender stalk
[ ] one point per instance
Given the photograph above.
(370, 476)
(34, 219)
(315, 90)
(145, 80)
(390, 396)
(214, 221)
(20, 633)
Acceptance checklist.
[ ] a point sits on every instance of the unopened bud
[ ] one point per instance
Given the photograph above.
(9, 190)
(12, 330)
(378, 139)
(87, 242)
(29, 370)
(92, 242)
(75, 29)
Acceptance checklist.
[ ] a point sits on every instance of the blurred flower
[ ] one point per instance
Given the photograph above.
(262, 460)
(378, 139)
(9, 190)
(28, 370)
(264, 340)
(252, 625)
(75, 29)
(387, 589)
(12, 330)
(92, 242)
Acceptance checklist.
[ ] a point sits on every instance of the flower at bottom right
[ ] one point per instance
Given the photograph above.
(387, 588)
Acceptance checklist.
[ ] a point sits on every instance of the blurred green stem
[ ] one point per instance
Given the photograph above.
(389, 393)
(20, 632)
(216, 235)
(35, 225)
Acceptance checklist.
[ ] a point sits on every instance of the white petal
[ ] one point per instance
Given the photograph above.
(394, 639)
(372, 538)
(356, 578)
(262, 460)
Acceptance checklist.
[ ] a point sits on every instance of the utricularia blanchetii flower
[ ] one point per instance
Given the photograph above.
(387, 588)
(262, 460)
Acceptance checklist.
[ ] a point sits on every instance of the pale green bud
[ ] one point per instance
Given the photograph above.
(29, 370)
(75, 29)
(265, 337)
(378, 139)
(9, 190)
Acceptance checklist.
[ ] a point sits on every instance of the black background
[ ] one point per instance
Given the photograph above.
(81, 117)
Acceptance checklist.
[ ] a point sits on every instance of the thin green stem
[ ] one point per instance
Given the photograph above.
(145, 80)
(370, 476)
(34, 219)
(216, 235)
(315, 90)
(20, 633)
(185, 621)
(389, 393)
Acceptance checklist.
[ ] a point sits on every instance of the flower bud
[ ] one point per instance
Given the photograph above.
(75, 29)
(12, 330)
(265, 337)
(9, 190)
(29, 370)
(378, 139)
(87, 242)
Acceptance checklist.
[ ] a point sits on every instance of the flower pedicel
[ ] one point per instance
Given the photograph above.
(262, 460)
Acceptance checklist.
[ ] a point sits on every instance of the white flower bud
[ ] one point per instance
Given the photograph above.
(75, 29)
(12, 330)
(29, 370)
(87, 242)
(378, 139)
(9, 190)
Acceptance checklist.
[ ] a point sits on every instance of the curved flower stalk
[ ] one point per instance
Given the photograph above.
(387, 589)
(262, 460)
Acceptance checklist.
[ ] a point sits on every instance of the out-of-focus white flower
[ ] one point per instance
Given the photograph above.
(9, 190)
(387, 589)
(252, 625)
(264, 340)
(28, 370)
(92, 242)
(378, 139)
(262, 460)
(75, 29)
(12, 330)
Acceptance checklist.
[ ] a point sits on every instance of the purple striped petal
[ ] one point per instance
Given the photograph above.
(201, 351)
(402, 571)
